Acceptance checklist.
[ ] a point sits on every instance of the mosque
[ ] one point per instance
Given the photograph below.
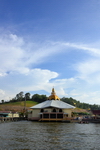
(53, 109)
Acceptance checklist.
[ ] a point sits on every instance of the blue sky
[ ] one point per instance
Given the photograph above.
(50, 43)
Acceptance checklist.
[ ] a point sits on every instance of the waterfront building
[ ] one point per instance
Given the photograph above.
(8, 114)
(53, 109)
(96, 113)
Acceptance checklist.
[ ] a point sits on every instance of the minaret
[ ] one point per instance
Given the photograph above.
(53, 95)
(53, 91)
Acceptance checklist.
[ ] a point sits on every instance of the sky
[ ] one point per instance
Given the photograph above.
(50, 43)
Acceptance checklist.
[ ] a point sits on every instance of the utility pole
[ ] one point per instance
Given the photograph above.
(25, 104)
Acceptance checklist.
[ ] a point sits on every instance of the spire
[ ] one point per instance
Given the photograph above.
(53, 95)
(53, 91)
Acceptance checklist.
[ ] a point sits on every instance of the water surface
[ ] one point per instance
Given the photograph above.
(27, 135)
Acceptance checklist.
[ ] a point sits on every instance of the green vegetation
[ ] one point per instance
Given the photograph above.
(80, 113)
(21, 103)
(21, 97)
(28, 101)
(80, 105)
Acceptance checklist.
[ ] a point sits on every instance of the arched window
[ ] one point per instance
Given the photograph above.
(42, 110)
(54, 110)
(60, 110)
(66, 115)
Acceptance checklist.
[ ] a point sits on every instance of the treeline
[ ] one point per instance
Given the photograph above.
(80, 105)
(41, 98)
(36, 97)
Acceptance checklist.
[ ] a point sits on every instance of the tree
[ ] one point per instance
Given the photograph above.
(36, 97)
(2, 101)
(27, 95)
(39, 98)
(19, 96)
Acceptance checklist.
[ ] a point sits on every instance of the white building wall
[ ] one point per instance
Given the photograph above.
(29, 115)
(68, 111)
(35, 112)
(16, 115)
(48, 110)
(13, 115)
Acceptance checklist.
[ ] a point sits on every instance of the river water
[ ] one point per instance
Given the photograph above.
(27, 135)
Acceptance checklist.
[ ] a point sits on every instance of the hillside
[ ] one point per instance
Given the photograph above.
(16, 106)
(19, 106)
(79, 110)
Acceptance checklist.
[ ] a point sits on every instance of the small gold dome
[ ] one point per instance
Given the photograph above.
(53, 95)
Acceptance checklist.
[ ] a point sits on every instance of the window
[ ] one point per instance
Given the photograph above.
(42, 110)
(60, 110)
(54, 110)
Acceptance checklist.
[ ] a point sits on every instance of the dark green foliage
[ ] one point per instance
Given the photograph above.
(36, 97)
(27, 95)
(80, 113)
(79, 104)
(2, 101)
(13, 99)
(39, 98)
(19, 96)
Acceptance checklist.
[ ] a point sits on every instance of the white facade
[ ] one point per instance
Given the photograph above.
(51, 109)
(8, 114)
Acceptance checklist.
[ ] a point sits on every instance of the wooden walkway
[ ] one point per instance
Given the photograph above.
(56, 119)
(50, 119)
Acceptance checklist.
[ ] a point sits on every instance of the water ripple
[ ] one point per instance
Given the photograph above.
(27, 135)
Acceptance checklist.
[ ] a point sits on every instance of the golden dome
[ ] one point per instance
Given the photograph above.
(53, 95)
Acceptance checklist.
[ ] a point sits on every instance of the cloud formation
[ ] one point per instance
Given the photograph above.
(18, 72)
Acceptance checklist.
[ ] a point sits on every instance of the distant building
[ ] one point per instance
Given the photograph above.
(8, 114)
(96, 113)
(51, 110)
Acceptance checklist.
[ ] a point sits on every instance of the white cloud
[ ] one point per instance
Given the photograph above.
(17, 55)
(34, 80)
(2, 92)
(89, 71)
(2, 74)
(91, 97)
(10, 52)
(89, 48)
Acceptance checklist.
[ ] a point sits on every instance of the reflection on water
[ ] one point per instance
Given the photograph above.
(27, 135)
